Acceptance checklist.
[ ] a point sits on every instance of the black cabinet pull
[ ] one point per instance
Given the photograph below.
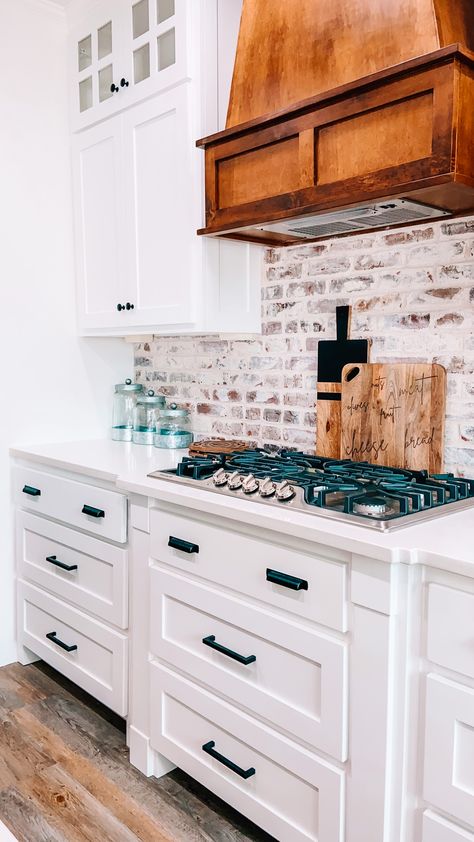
(184, 546)
(286, 581)
(33, 492)
(211, 642)
(113, 88)
(242, 773)
(120, 307)
(129, 306)
(52, 637)
(53, 560)
(124, 83)
(92, 512)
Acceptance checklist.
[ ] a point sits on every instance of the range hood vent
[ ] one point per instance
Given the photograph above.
(398, 212)
(344, 117)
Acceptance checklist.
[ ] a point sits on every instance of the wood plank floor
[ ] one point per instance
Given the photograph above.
(65, 775)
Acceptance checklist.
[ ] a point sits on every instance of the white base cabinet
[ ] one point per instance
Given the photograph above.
(254, 672)
(327, 696)
(73, 580)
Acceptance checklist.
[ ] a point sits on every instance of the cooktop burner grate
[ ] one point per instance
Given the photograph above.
(361, 492)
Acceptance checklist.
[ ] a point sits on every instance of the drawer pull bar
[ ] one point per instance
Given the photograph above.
(92, 512)
(286, 581)
(184, 546)
(33, 492)
(53, 560)
(211, 641)
(52, 637)
(242, 773)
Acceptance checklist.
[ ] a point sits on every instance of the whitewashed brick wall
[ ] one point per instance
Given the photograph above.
(412, 291)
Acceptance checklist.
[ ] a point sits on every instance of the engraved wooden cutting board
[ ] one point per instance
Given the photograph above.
(394, 414)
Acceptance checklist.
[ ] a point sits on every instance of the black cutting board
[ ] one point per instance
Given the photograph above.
(333, 355)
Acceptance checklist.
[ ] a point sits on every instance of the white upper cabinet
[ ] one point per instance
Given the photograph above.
(122, 52)
(148, 78)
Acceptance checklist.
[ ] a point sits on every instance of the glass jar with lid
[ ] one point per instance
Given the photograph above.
(173, 428)
(145, 417)
(125, 398)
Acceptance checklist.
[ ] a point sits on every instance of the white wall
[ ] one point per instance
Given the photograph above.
(54, 386)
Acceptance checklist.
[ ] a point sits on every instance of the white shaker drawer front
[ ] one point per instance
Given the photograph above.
(91, 574)
(96, 510)
(288, 674)
(437, 829)
(303, 584)
(449, 748)
(282, 788)
(84, 650)
(450, 640)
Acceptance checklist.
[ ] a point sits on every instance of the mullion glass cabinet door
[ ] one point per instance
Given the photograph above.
(97, 51)
(156, 34)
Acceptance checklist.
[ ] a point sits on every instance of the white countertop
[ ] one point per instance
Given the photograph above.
(445, 542)
(102, 458)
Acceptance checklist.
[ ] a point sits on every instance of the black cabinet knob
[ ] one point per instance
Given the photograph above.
(129, 306)
(113, 88)
(123, 83)
(120, 307)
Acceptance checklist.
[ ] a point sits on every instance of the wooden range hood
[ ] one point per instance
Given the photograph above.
(339, 109)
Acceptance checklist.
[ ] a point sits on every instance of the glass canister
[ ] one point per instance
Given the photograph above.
(173, 428)
(145, 417)
(125, 398)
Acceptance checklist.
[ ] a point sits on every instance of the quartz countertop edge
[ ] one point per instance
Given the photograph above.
(444, 543)
(102, 459)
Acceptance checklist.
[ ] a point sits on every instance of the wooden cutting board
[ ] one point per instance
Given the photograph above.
(394, 414)
(332, 357)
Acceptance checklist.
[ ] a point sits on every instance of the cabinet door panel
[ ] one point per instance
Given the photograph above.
(232, 275)
(438, 829)
(449, 748)
(97, 173)
(160, 237)
(156, 50)
(96, 49)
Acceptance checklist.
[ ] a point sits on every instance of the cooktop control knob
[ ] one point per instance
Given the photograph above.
(250, 484)
(220, 478)
(235, 481)
(267, 487)
(285, 491)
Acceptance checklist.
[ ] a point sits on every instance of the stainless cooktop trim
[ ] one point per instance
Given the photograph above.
(298, 504)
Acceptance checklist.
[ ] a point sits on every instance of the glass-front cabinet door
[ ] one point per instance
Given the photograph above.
(123, 51)
(97, 50)
(157, 44)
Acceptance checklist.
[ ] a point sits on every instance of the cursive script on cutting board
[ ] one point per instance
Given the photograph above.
(381, 414)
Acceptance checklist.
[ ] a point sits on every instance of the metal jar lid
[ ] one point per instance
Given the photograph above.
(173, 412)
(128, 386)
(150, 399)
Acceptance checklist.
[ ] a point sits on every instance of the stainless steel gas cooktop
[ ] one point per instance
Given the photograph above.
(354, 492)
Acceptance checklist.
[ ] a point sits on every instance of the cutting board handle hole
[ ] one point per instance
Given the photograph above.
(352, 374)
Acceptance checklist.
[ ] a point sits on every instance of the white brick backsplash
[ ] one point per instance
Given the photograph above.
(412, 292)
